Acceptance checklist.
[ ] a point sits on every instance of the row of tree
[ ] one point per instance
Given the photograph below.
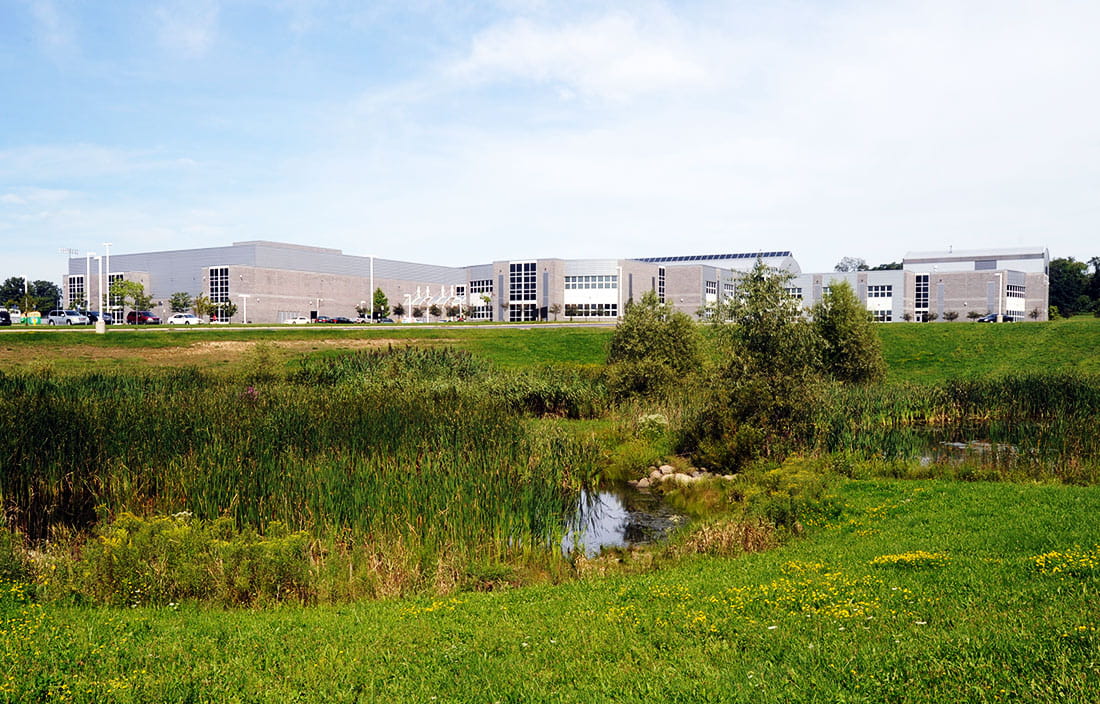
(1073, 288)
(25, 295)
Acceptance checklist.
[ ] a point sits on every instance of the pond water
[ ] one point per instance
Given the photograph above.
(617, 518)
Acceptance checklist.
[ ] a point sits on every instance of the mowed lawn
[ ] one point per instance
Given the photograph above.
(915, 591)
(915, 352)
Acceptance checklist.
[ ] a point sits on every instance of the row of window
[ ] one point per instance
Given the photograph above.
(522, 312)
(1015, 290)
(880, 291)
(481, 286)
(589, 282)
(592, 310)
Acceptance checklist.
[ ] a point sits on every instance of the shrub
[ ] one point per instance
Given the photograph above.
(165, 559)
(852, 351)
(652, 346)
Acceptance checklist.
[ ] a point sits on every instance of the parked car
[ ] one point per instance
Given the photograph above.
(95, 315)
(142, 317)
(66, 317)
(5, 317)
(184, 319)
(385, 320)
(341, 320)
(992, 318)
(323, 319)
(298, 320)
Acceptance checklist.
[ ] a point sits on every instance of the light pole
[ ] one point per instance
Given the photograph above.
(372, 288)
(998, 275)
(88, 279)
(244, 307)
(107, 264)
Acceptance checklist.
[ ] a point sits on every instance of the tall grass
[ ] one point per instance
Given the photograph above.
(1038, 425)
(399, 446)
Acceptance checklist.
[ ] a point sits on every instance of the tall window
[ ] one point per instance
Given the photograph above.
(521, 281)
(219, 284)
(712, 288)
(76, 290)
(661, 284)
(113, 301)
(921, 302)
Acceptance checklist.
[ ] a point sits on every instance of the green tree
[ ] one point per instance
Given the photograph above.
(201, 306)
(769, 333)
(399, 309)
(760, 400)
(851, 264)
(892, 266)
(133, 293)
(180, 302)
(381, 304)
(1094, 279)
(851, 350)
(35, 295)
(554, 310)
(434, 310)
(224, 310)
(652, 346)
(1068, 282)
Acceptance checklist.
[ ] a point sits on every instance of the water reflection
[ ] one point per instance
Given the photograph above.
(617, 518)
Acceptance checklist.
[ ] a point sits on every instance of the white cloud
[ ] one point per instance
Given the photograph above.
(188, 27)
(34, 196)
(54, 30)
(612, 57)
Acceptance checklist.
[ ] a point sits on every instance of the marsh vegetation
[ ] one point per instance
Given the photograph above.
(320, 479)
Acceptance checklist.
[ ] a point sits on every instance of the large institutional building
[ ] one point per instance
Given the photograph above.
(270, 282)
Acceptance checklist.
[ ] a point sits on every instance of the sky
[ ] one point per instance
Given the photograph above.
(459, 133)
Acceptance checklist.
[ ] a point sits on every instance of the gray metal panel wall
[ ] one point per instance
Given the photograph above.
(178, 270)
(591, 267)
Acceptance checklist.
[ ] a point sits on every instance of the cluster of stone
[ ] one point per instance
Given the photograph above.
(666, 473)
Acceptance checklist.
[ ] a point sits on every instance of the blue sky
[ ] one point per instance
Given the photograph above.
(461, 132)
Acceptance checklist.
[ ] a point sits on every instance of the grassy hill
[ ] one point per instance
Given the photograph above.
(937, 351)
(912, 592)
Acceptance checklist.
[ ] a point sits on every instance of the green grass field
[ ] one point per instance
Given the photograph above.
(994, 595)
(909, 591)
(923, 353)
